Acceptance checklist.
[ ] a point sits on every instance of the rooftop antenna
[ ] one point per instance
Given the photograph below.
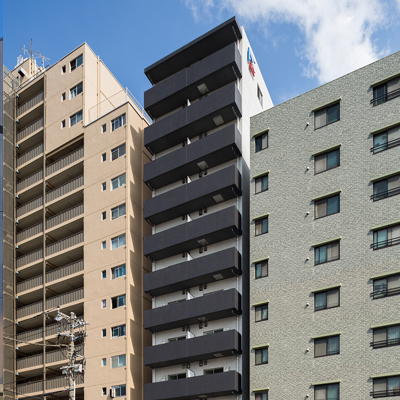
(42, 57)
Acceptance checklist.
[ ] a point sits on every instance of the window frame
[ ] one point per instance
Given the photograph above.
(386, 96)
(77, 117)
(389, 143)
(260, 264)
(120, 390)
(387, 392)
(120, 181)
(76, 90)
(262, 307)
(118, 301)
(326, 110)
(260, 179)
(119, 121)
(259, 352)
(118, 329)
(326, 339)
(117, 209)
(259, 140)
(388, 192)
(260, 222)
(259, 95)
(326, 155)
(326, 299)
(323, 245)
(318, 202)
(261, 395)
(121, 361)
(386, 292)
(120, 240)
(381, 244)
(76, 62)
(117, 268)
(118, 151)
(326, 390)
(386, 342)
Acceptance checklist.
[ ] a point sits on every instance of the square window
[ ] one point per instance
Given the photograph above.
(103, 157)
(103, 332)
(78, 61)
(120, 390)
(261, 269)
(261, 142)
(327, 392)
(327, 299)
(326, 116)
(104, 391)
(118, 361)
(118, 152)
(118, 241)
(103, 128)
(118, 211)
(325, 161)
(262, 356)
(78, 89)
(117, 272)
(118, 182)
(387, 91)
(103, 274)
(63, 69)
(103, 303)
(261, 226)
(74, 119)
(103, 186)
(63, 124)
(386, 140)
(118, 122)
(327, 252)
(103, 245)
(103, 362)
(261, 312)
(118, 331)
(63, 97)
(327, 206)
(103, 215)
(261, 184)
(118, 301)
(326, 346)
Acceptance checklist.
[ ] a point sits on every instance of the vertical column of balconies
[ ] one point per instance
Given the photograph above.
(196, 183)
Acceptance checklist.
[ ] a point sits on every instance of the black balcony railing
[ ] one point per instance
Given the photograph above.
(386, 193)
(377, 294)
(384, 146)
(385, 343)
(385, 243)
(386, 393)
(385, 97)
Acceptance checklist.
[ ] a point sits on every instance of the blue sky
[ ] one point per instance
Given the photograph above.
(299, 44)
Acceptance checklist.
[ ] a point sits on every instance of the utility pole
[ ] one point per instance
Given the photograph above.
(77, 330)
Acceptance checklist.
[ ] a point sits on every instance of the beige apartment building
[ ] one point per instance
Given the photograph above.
(78, 209)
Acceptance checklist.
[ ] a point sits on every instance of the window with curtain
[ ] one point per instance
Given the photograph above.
(387, 91)
(261, 142)
(119, 211)
(74, 119)
(386, 188)
(119, 271)
(386, 140)
(262, 356)
(261, 269)
(326, 253)
(118, 361)
(261, 395)
(327, 392)
(325, 161)
(118, 241)
(326, 206)
(326, 346)
(326, 116)
(261, 226)
(327, 299)
(118, 122)
(387, 336)
(385, 387)
(386, 237)
(261, 184)
(118, 182)
(261, 312)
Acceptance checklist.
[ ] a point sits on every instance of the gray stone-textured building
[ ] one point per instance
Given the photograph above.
(325, 222)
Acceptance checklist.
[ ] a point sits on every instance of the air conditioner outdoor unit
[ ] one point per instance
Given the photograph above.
(164, 378)
(113, 393)
(226, 369)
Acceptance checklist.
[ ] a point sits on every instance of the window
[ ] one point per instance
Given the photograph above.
(63, 97)
(262, 356)
(118, 241)
(77, 62)
(103, 362)
(118, 301)
(259, 95)
(261, 269)
(327, 392)
(326, 346)
(118, 331)
(386, 237)
(388, 286)
(177, 339)
(103, 215)
(118, 211)
(103, 186)
(120, 390)
(63, 69)
(327, 299)
(103, 303)
(327, 116)
(261, 142)
(117, 272)
(387, 336)
(326, 253)
(103, 128)
(261, 184)
(213, 371)
(385, 387)
(103, 332)
(261, 312)
(78, 89)
(177, 376)
(117, 122)
(103, 157)
(118, 361)
(261, 226)
(261, 395)
(327, 206)
(386, 140)
(103, 245)
(63, 124)
(387, 91)
(325, 161)
(386, 188)
(103, 274)
(74, 119)
(118, 152)
(118, 182)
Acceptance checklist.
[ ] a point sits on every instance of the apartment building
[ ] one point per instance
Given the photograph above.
(201, 101)
(325, 225)
(75, 146)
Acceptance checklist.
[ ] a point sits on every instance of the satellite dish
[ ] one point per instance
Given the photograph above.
(58, 317)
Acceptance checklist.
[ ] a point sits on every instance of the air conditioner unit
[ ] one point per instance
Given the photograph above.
(113, 393)
(226, 369)
(226, 329)
(162, 341)
(164, 378)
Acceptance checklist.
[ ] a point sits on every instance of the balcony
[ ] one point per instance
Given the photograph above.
(54, 383)
(29, 232)
(30, 155)
(384, 146)
(210, 229)
(38, 124)
(35, 334)
(64, 216)
(208, 307)
(64, 244)
(218, 148)
(32, 102)
(203, 386)
(30, 206)
(199, 271)
(30, 180)
(29, 258)
(64, 189)
(199, 194)
(385, 194)
(209, 43)
(207, 347)
(33, 361)
(215, 71)
(218, 108)
(64, 161)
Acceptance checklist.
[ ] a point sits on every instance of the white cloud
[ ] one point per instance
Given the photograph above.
(337, 33)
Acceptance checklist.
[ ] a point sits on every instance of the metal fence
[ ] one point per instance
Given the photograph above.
(32, 102)
(64, 243)
(28, 258)
(64, 161)
(30, 206)
(64, 189)
(31, 231)
(29, 155)
(64, 216)
(39, 123)
(30, 180)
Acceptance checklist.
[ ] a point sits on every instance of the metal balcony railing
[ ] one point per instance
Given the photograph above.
(30, 387)
(35, 334)
(385, 343)
(385, 243)
(57, 355)
(32, 205)
(39, 123)
(64, 216)
(30, 257)
(30, 180)
(63, 162)
(377, 294)
(30, 283)
(30, 361)
(34, 308)
(385, 97)
(384, 146)
(64, 189)
(61, 381)
(54, 383)
(29, 155)
(386, 193)
(31, 231)
(32, 102)
(64, 243)
(386, 393)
